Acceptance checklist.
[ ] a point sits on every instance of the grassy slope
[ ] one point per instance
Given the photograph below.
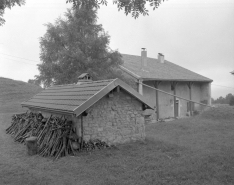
(190, 151)
(13, 92)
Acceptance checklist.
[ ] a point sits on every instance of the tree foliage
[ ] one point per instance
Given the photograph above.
(134, 7)
(8, 4)
(231, 102)
(229, 99)
(75, 45)
(34, 82)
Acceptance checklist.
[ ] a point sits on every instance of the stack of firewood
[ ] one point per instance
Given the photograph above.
(94, 144)
(56, 136)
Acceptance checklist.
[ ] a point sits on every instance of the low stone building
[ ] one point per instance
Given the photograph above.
(108, 110)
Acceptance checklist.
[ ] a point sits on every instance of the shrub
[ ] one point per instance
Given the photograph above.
(196, 112)
(231, 102)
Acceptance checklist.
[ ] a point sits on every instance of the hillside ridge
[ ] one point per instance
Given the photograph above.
(13, 92)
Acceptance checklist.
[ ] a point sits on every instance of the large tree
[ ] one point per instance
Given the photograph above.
(75, 45)
(8, 4)
(134, 7)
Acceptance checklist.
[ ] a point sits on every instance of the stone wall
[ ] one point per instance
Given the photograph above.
(114, 119)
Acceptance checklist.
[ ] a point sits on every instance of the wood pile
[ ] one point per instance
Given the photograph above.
(56, 136)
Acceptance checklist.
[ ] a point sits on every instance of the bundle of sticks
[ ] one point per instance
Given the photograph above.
(56, 136)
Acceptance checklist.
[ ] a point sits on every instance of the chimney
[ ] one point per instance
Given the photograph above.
(143, 57)
(84, 78)
(161, 58)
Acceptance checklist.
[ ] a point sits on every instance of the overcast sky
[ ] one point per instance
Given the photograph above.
(195, 34)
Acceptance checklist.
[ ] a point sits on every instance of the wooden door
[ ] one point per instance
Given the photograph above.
(177, 108)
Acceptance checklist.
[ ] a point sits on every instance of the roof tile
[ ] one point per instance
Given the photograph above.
(66, 97)
(160, 71)
(75, 99)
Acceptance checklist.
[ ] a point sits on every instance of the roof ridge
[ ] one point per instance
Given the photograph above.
(97, 81)
(96, 92)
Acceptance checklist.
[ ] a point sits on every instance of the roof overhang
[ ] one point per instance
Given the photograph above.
(54, 111)
(175, 80)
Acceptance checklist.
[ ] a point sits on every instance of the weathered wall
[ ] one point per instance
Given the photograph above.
(116, 119)
(165, 101)
(200, 93)
(182, 90)
(206, 93)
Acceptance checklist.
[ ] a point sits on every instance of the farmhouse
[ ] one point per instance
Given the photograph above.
(159, 73)
(109, 110)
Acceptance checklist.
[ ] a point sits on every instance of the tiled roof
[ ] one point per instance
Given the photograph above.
(75, 99)
(159, 71)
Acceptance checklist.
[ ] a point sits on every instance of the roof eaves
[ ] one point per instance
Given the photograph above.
(178, 80)
(56, 111)
(93, 99)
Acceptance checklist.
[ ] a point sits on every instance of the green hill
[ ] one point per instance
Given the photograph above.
(13, 92)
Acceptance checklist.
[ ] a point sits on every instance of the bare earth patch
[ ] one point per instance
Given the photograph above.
(198, 150)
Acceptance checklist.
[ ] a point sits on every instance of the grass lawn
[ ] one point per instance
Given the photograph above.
(189, 151)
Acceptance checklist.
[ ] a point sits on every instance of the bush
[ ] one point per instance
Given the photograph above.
(196, 112)
(231, 102)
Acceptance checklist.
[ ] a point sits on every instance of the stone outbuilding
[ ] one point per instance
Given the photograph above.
(109, 110)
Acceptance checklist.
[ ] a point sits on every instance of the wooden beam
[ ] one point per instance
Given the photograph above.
(174, 91)
(156, 85)
(82, 130)
(190, 97)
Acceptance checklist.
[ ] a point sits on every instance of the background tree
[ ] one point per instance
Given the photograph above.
(75, 45)
(8, 4)
(134, 7)
(229, 99)
(34, 82)
(231, 102)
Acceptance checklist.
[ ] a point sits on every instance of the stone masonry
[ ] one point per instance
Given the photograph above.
(116, 118)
